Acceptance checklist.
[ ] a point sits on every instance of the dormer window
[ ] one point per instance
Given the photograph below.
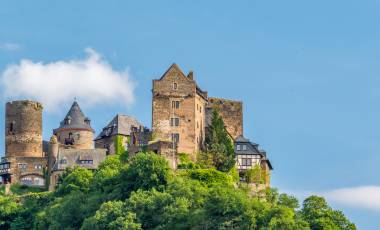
(68, 120)
(244, 147)
(87, 121)
(238, 147)
(175, 86)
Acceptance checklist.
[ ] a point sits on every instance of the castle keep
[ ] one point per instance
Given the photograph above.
(24, 160)
(182, 111)
(181, 114)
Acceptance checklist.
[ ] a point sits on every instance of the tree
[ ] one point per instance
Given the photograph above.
(77, 179)
(255, 175)
(288, 201)
(65, 212)
(219, 144)
(145, 171)
(320, 215)
(228, 208)
(10, 210)
(112, 215)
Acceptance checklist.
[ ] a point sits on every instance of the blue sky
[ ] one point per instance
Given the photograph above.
(307, 71)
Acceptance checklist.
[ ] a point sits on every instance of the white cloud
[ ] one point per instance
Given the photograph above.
(92, 80)
(363, 197)
(366, 197)
(10, 46)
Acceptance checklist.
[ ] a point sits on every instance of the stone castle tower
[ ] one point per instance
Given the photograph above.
(179, 110)
(24, 159)
(75, 129)
(23, 129)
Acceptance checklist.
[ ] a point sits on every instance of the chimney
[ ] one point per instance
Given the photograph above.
(190, 75)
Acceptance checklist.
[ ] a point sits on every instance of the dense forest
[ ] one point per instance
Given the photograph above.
(142, 192)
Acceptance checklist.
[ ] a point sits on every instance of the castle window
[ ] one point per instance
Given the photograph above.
(12, 127)
(238, 147)
(175, 104)
(175, 86)
(86, 162)
(174, 121)
(175, 137)
(22, 166)
(37, 166)
(246, 162)
(244, 147)
(78, 136)
(63, 161)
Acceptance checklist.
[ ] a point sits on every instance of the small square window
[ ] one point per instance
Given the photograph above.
(238, 147)
(175, 137)
(174, 121)
(246, 162)
(175, 104)
(244, 147)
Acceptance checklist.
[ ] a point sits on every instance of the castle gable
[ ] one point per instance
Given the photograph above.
(174, 70)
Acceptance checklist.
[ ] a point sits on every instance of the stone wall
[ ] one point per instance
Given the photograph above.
(23, 129)
(231, 112)
(83, 139)
(175, 86)
(27, 167)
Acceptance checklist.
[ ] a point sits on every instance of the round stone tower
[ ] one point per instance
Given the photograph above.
(23, 129)
(75, 130)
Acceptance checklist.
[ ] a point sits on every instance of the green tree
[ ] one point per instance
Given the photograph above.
(65, 212)
(145, 171)
(219, 145)
(228, 208)
(112, 215)
(10, 210)
(77, 179)
(320, 215)
(288, 201)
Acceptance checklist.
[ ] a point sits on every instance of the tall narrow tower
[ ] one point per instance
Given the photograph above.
(23, 129)
(178, 110)
(75, 130)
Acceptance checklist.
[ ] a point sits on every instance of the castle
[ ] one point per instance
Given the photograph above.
(181, 113)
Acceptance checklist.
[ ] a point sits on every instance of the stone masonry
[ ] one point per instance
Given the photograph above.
(231, 112)
(178, 110)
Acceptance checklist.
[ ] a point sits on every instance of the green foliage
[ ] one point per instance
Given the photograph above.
(255, 175)
(10, 209)
(145, 171)
(319, 214)
(186, 162)
(210, 176)
(141, 194)
(112, 215)
(19, 189)
(219, 147)
(228, 208)
(77, 179)
(119, 144)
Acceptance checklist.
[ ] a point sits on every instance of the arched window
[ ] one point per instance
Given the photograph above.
(175, 86)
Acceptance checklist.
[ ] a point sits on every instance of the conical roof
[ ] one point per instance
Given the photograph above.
(75, 119)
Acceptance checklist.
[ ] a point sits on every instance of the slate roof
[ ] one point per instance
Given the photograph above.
(119, 125)
(69, 158)
(77, 119)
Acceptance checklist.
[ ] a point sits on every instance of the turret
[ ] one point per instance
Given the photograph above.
(75, 130)
(23, 129)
